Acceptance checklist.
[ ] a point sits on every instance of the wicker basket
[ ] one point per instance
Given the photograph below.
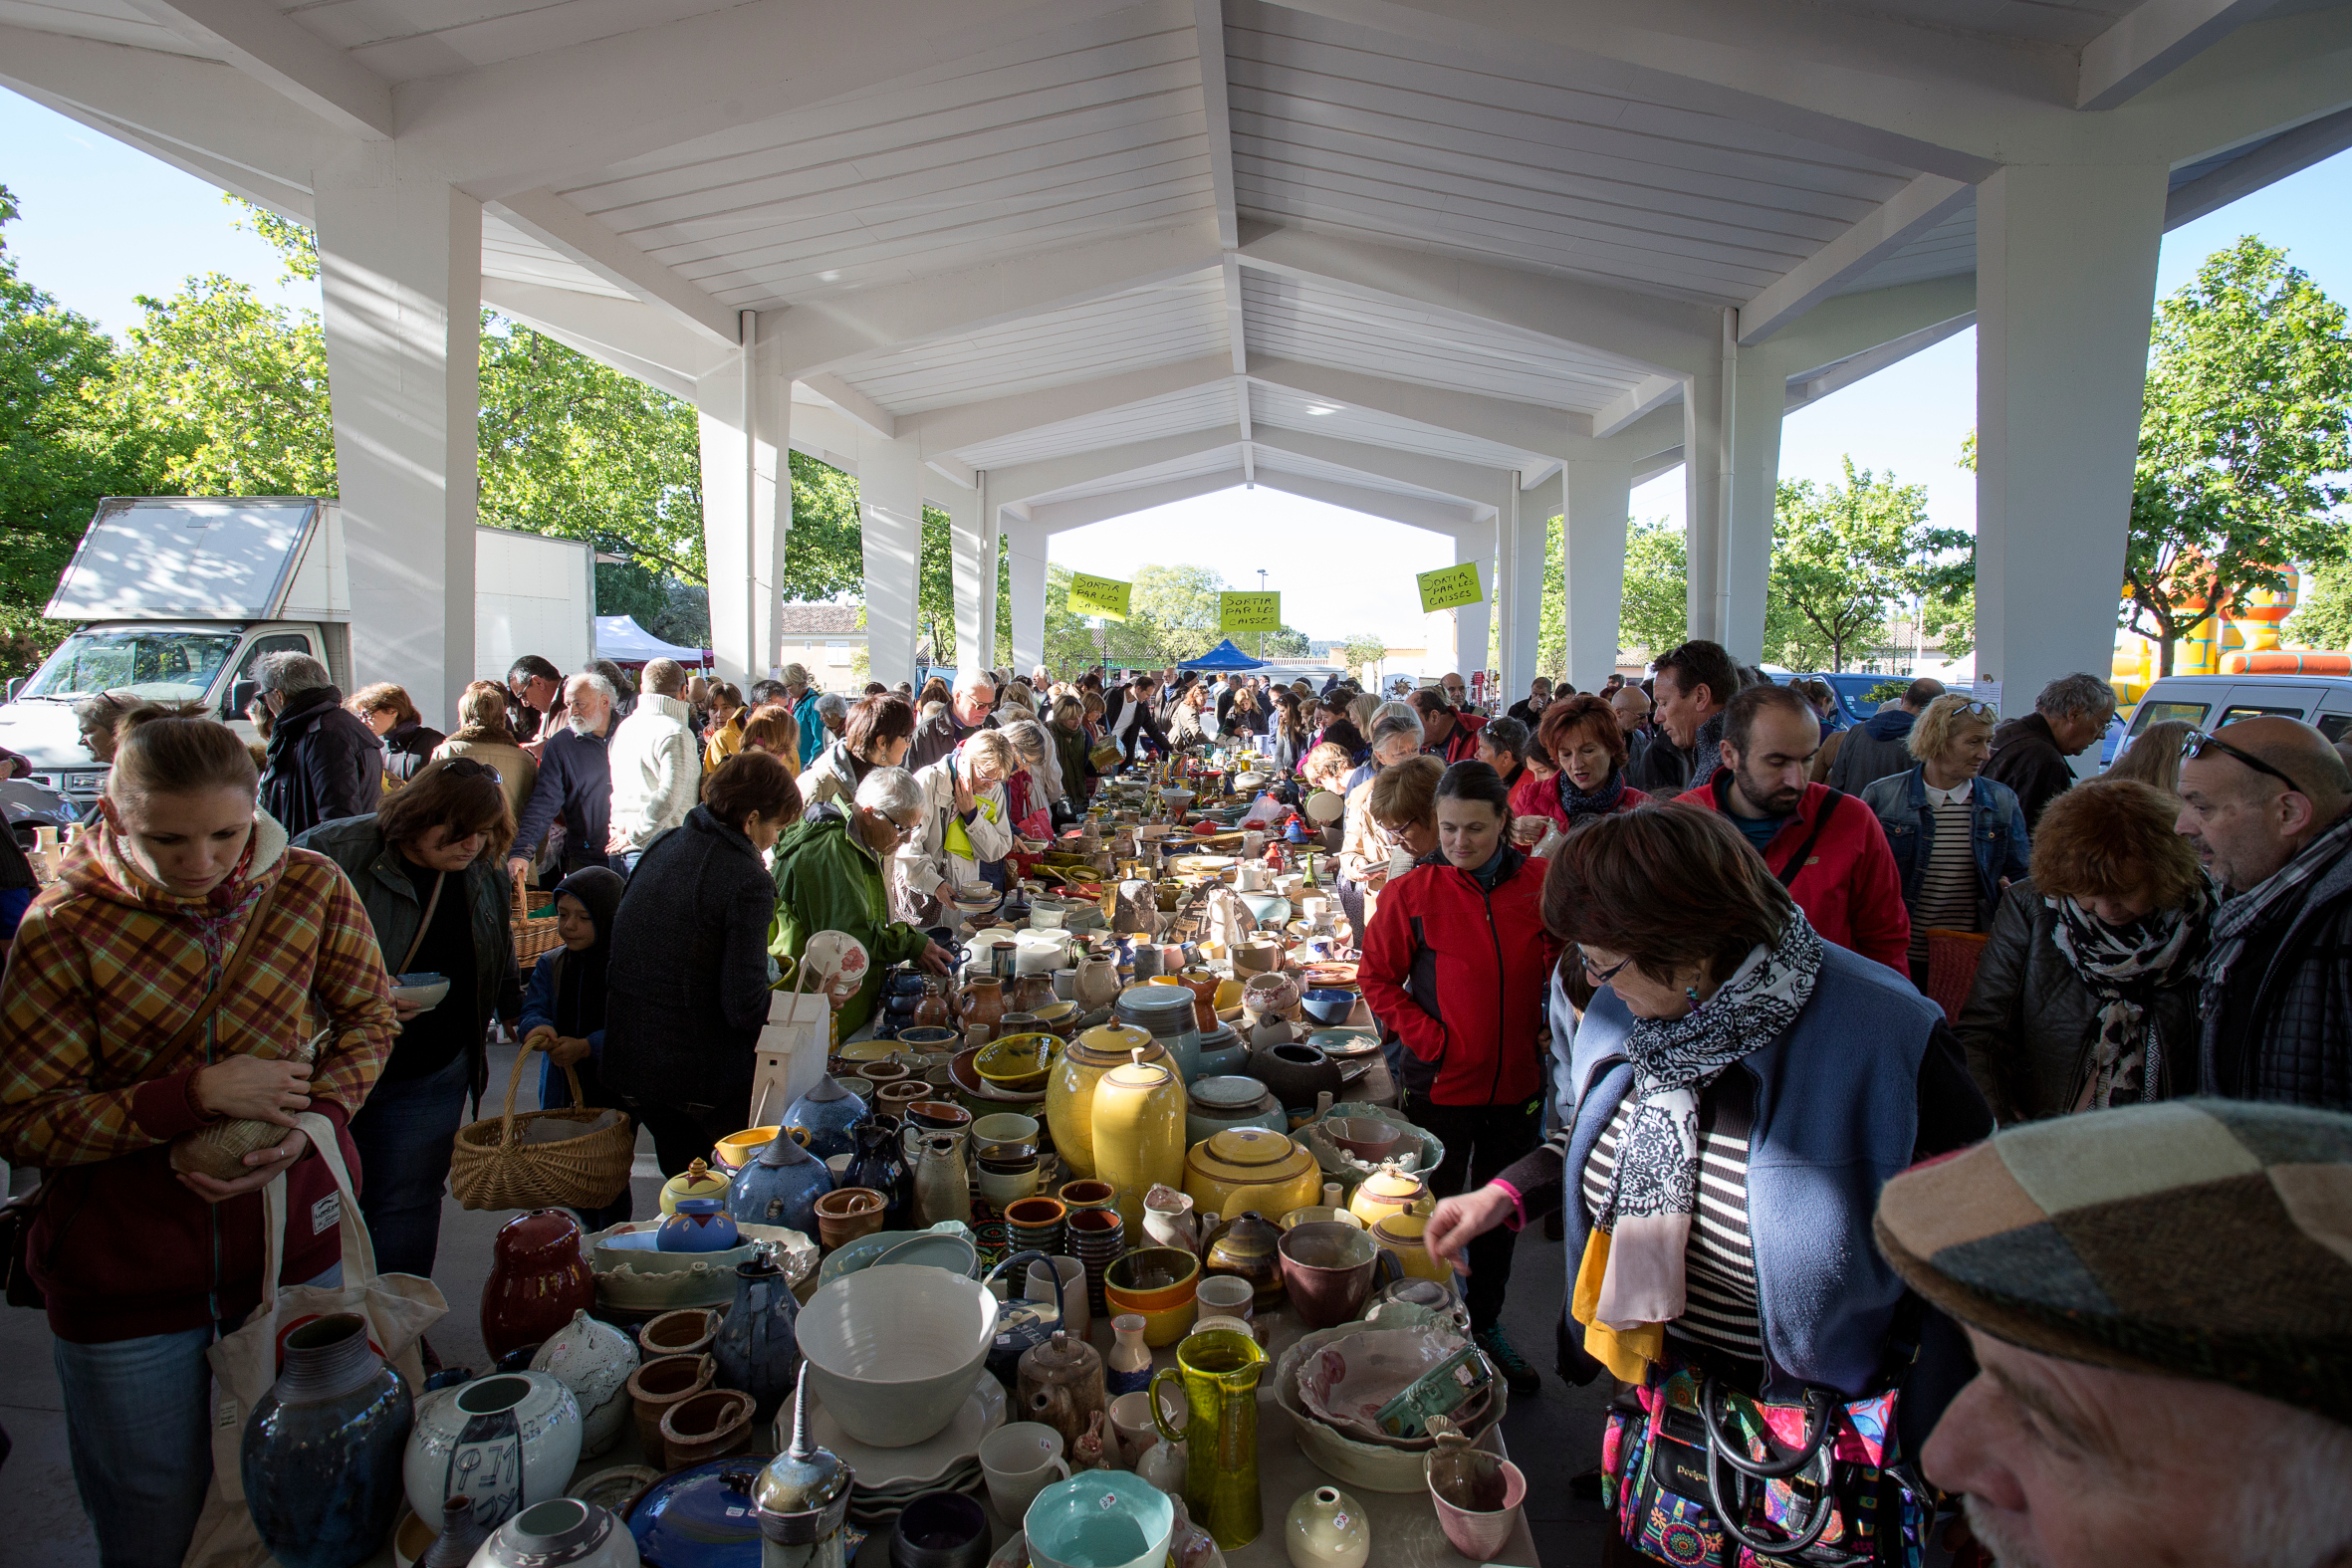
(512, 1162)
(534, 934)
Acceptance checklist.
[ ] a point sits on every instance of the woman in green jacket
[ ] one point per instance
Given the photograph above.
(833, 874)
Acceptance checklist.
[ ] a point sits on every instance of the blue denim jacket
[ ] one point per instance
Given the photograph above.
(1996, 831)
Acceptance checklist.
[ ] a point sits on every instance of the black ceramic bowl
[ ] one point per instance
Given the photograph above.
(940, 1529)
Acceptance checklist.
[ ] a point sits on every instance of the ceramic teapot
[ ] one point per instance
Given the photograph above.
(825, 1114)
(780, 1186)
(1059, 1383)
(1248, 1246)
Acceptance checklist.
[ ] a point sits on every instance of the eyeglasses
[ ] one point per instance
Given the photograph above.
(467, 767)
(2197, 742)
(1970, 708)
(1600, 976)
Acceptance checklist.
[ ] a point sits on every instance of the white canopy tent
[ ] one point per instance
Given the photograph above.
(1457, 263)
(621, 639)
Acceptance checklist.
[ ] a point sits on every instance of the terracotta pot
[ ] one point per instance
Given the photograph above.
(847, 1212)
(709, 1425)
(1202, 983)
(686, 1332)
(1032, 992)
(537, 1279)
(982, 1002)
(658, 1385)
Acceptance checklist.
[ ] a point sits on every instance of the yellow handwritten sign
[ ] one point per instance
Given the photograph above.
(1450, 588)
(1248, 613)
(1103, 596)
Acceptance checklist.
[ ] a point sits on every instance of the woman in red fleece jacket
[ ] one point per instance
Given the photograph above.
(143, 1261)
(1455, 967)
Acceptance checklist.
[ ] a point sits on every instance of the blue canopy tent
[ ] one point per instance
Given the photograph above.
(1225, 656)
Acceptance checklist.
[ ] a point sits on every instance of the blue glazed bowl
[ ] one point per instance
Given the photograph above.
(1328, 1006)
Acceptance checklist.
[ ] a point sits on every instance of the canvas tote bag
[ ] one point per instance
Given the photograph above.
(399, 1308)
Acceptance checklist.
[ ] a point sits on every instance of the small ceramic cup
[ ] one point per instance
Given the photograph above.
(1019, 1460)
(1225, 1295)
(1005, 1126)
(1036, 1223)
(1038, 1287)
(1089, 1193)
(1000, 1189)
(1131, 1417)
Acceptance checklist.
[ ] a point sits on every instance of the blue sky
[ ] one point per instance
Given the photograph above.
(102, 223)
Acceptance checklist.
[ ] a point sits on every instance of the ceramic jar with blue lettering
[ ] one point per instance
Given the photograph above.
(506, 1442)
(322, 1454)
(780, 1186)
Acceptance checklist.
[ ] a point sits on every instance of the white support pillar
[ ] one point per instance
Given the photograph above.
(991, 539)
(1761, 397)
(1597, 499)
(1519, 589)
(890, 515)
(1707, 424)
(1474, 544)
(2065, 283)
(743, 538)
(969, 566)
(1030, 544)
(401, 279)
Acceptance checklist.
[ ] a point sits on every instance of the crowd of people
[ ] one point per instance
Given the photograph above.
(1666, 967)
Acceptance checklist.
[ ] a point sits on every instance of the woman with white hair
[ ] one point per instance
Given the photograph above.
(833, 874)
(967, 822)
(1366, 847)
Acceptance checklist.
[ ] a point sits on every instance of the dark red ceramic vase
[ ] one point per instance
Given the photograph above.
(537, 1279)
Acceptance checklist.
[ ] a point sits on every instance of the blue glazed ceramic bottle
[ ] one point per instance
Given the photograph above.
(701, 1225)
(780, 1186)
(879, 1164)
(321, 1452)
(757, 1349)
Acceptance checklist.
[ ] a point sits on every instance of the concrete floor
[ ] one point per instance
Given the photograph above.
(1554, 1437)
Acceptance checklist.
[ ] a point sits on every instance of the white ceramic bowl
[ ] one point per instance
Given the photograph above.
(892, 1352)
(426, 990)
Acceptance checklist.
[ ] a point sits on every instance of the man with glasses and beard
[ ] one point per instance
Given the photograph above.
(574, 781)
(2267, 807)
(1825, 847)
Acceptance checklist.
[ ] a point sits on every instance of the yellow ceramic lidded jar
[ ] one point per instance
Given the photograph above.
(1069, 1087)
(1139, 1130)
(1401, 1234)
(1389, 1191)
(698, 1180)
(1251, 1168)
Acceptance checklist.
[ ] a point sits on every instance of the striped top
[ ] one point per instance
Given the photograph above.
(1720, 1265)
(1948, 882)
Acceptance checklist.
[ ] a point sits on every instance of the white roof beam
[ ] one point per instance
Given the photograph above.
(619, 329)
(564, 228)
(953, 471)
(1046, 476)
(2298, 149)
(1650, 392)
(1893, 224)
(1060, 517)
(853, 402)
(2149, 41)
(1208, 30)
(1438, 516)
(1845, 372)
(1647, 332)
(274, 49)
(844, 329)
(1852, 323)
(2265, 78)
(974, 425)
(537, 118)
(263, 190)
(1471, 482)
(1543, 432)
(201, 106)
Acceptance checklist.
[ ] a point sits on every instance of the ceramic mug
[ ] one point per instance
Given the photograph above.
(1225, 1295)
(1019, 1460)
(1131, 1417)
(1038, 1287)
(1003, 1189)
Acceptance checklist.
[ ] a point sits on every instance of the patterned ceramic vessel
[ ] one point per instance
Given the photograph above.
(507, 1441)
(593, 1360)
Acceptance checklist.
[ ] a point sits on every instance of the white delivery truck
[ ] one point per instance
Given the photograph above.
(182, 595)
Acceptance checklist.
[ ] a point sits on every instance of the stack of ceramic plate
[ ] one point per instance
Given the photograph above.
(887, 1479)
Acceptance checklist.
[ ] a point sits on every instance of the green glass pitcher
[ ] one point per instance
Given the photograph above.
(1220, 1369)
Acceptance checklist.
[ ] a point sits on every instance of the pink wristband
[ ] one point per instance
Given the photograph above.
(1519, 1205)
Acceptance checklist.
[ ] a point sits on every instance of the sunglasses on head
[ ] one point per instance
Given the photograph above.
(467, 767)
(1974, 709)
(2197, 742)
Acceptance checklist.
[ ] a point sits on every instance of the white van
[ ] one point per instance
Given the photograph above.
(2212, 701)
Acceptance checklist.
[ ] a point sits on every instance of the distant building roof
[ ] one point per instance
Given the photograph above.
(818, 620)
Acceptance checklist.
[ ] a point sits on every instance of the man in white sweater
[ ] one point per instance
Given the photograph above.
(657, 771)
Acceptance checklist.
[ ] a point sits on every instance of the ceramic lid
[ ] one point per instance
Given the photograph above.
(696, 1181)
(1148, 998)
(1108, 1044)
(1136, 1074)
(1389, 1181)
(1233, 1093)
(1251, 1153)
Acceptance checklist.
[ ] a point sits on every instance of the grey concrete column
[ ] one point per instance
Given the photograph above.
(1707, 396)
(1761, 397)
(1597, 499)
(1030, 544)
(401, 282)
(2065, 283)
(745, 524)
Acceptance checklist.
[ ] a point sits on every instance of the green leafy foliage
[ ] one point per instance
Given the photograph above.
(1362, 648)
(2245, 433)
(1655, 614)
(2324, 615)
(1843, 554)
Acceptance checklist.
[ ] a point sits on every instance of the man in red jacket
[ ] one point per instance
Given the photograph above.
(1826, 848)
(1448, 735)
(1457, 966)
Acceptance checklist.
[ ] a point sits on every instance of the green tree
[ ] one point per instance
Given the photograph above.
(1173, 612)
(1842, 554)
(1654, 615)
(2323, 614)
(1361, 648)
(61, 449)
(1288, 643)
(2245, 433)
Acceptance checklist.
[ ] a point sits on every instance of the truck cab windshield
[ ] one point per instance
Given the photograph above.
(172, 666)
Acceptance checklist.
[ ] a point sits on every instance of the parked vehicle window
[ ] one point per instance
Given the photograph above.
(276, 642)
(2333, 725)
(2231, 715)
(170, 666)
(2158, 712)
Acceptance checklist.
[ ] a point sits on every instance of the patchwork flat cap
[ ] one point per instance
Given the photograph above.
(2198, 1238)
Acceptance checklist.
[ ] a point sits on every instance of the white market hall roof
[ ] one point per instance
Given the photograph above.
(1115, 251)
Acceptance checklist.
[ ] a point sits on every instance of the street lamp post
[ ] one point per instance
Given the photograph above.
(1262, 630)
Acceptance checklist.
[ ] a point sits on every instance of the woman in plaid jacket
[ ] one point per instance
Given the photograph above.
(141, 1260)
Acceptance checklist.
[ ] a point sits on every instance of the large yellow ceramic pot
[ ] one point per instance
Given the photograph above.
(1389, 1191)
(1251, 1168)
(1138, 1132)
(1069, 1087)
(1401, 1234)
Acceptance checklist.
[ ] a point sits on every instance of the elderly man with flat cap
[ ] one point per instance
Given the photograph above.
(2267, 806)
(2160, 1300)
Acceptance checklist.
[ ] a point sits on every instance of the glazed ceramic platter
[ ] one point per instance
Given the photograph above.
(1344, 1043)
(896, 1468)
